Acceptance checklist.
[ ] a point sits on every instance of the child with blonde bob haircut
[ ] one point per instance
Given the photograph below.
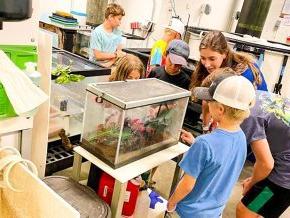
(127, 67)
(217, 158)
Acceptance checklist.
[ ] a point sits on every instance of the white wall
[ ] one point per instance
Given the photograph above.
(49, 6)
(138, 10)
(271, 32)
(220, 18)
(21, 32)
(273, 15)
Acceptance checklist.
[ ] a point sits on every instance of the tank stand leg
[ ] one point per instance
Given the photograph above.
(77, 164)
(118, 198)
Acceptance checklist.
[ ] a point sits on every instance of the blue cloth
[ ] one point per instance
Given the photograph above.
(215, 160)
(248, 73)
(104, 41)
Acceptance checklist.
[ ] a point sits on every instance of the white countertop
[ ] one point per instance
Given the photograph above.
(136, 168)
(15, 124)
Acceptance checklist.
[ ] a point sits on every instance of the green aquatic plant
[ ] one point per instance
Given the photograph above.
(64, 75)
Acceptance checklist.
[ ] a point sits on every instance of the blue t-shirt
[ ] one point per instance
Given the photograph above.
(215, 160)
(104, 41)
(248, 73)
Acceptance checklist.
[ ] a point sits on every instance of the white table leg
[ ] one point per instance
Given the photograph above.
(26, 143)
(77, 167)
(177, 174)
(118, 199)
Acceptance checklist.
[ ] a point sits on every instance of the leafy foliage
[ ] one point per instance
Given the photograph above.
(64, 74)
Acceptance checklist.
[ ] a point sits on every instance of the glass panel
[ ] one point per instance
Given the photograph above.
(102, 128)
(77, 65)
(151, 128)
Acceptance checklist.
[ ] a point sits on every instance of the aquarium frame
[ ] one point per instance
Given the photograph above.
(120, 138)
(133, 104)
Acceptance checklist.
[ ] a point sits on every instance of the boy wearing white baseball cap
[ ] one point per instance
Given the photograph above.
(173, 31)
(214, 161)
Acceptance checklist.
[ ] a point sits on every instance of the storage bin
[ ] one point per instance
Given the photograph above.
(6, 109)
(81, 197)
(19, 54)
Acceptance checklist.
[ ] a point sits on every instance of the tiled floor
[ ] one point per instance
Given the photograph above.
(164, 174)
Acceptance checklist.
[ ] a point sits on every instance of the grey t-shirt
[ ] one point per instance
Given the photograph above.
(270, 119)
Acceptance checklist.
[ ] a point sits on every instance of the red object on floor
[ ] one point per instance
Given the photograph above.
(106, 189)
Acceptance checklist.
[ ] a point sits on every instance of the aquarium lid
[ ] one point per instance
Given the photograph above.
(136, 93)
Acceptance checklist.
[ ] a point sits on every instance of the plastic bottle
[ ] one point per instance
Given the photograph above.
(142, 205)
(34, 75)
(106, 189)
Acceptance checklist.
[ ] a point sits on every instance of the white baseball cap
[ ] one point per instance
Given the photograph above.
(176, 25)
(231, 90)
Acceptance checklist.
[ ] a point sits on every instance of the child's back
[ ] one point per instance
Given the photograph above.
(216, 160)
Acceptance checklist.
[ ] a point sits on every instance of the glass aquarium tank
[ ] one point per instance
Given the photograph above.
(127, 120)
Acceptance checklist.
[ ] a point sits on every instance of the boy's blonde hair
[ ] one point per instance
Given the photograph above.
(234, 114)
(114, 9)
(172, 33)
(125, 66)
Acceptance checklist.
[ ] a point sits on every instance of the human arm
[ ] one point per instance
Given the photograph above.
(101, 56)
(104, 48)
(111, 57)
(119, 51)
(263, 165)
(183, 188)
(187, 137)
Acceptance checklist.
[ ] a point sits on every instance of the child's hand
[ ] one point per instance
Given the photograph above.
(186, 137)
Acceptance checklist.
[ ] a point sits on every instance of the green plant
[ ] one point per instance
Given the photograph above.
(64, 75)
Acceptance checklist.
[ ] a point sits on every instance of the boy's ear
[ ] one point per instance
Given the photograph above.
(221, 109)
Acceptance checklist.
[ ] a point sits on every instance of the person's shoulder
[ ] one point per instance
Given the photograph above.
(211, 138)
(156, 72)
(204, 140)
(117, 32)
(99, 29)
(184, 75)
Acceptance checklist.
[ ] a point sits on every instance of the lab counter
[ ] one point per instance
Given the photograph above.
(67, 103)
(79, 65)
